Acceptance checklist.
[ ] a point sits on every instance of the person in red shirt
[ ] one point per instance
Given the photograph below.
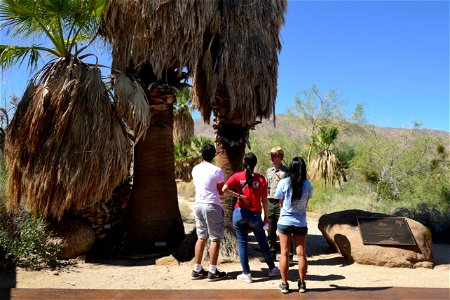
(251, 190)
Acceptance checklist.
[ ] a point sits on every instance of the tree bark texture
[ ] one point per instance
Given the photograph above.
(229, 159)
(154, 222)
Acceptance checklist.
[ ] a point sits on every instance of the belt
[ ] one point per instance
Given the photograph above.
(273, 200)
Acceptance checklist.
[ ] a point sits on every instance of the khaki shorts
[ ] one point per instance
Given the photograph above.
(209, 221)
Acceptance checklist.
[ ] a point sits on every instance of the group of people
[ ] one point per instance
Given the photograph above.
(282, 195)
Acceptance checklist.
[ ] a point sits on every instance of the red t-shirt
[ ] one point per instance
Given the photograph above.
(254, 191)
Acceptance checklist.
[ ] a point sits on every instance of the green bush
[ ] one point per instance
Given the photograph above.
(23, 239)
(25, 243)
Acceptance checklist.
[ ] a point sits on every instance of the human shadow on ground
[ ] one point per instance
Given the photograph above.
(441, 254)
(258, 275)
(8, 280)
(334, 287)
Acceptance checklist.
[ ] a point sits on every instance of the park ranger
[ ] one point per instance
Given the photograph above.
(273, 175)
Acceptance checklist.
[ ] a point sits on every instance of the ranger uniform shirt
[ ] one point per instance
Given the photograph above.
(273, 176)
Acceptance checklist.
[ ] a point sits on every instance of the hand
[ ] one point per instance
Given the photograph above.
(244, 200)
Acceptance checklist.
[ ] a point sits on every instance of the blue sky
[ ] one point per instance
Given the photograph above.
(390, 56)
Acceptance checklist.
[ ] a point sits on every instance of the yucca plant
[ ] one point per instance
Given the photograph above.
(66, 148)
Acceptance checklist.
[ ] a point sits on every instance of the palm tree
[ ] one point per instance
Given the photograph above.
(235, 73)
(326, 165)
(183, 124)
(156, 42)
(66, 148)
(236, 81)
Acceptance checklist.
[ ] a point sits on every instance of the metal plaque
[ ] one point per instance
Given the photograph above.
(390, 231)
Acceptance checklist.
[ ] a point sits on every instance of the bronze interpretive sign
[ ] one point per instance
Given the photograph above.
(390, 231)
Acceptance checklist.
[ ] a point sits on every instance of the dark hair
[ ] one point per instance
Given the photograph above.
(297, 173)
(208, 152)
(250, 162)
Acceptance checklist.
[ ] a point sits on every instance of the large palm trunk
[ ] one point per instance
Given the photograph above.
(229, 159)
(154, 220)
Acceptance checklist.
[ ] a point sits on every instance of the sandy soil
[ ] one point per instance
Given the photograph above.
(326, 269)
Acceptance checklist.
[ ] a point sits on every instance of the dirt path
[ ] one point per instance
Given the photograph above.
(326, 269)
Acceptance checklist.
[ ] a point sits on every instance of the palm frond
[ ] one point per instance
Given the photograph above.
(132, 103)
(12, 55)
(326, 167)
(76, 149)
(60, 21)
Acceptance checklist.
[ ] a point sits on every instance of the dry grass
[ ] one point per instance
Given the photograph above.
(185, 210)
(186, 190)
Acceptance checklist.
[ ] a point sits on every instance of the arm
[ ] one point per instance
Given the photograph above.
(264, 204)
(220, 188)
(226, 190)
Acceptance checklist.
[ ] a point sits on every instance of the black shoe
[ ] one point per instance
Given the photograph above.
(216, 276)
(284, 287)
(199, 275)
(302, 287)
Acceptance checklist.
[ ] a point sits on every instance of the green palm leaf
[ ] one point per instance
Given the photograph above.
(12, 55)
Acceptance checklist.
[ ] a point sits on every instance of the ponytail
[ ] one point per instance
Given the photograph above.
(297, 174)
(250, 161)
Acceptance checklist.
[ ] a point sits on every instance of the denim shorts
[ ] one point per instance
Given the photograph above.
(287, 229)
(209, 221)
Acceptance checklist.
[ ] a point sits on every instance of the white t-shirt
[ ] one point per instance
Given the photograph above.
(206, 177)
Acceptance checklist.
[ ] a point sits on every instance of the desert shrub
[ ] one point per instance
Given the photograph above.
(25, 242)
(23, 239)
(352, 195)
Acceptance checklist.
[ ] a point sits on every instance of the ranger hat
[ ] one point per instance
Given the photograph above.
(277, 150)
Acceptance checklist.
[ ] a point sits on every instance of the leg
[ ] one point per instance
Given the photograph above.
(202, 233)
(272, 232)
(256, 224)
(240, 225)
(214, 252)
(300, 246)
(199, 248)
(215, 222)
(285, 247)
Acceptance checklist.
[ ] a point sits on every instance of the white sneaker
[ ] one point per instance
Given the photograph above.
(245, 277)
(274, 272)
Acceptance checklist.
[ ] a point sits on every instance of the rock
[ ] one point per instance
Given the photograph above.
(75, 237)
(341, 231)
(167, 261)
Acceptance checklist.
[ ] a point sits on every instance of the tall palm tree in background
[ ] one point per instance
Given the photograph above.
(236, 81)
(326, 166)
(183, 123)
(66, 148)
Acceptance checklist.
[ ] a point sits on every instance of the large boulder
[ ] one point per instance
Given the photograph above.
(75, 237)
(341, 231)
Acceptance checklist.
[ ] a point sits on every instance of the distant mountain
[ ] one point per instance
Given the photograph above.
(284, 123)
